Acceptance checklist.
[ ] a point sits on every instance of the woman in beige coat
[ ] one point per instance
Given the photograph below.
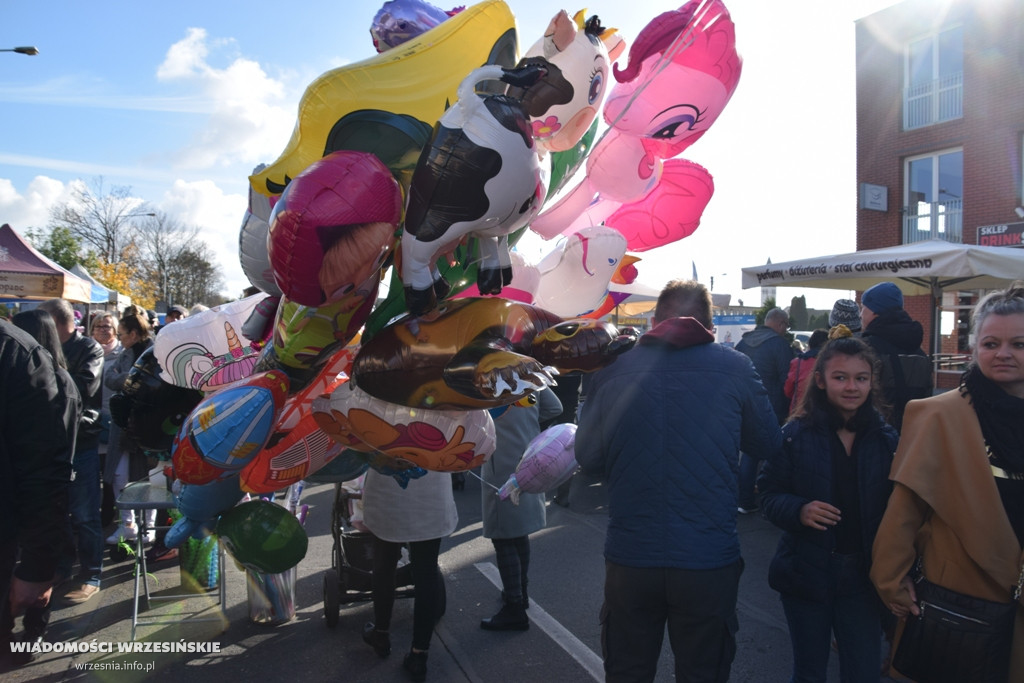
(958, 498)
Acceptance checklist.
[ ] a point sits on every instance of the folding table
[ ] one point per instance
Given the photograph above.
(139, 496)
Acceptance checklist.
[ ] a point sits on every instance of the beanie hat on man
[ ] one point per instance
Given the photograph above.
(845, 312)
(883, 297)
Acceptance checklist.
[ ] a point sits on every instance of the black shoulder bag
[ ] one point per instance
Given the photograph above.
(956, 637)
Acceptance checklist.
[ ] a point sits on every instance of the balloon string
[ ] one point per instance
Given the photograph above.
(496, 488)
(681, 42)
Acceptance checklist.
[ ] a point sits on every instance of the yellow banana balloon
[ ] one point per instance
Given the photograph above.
(388, 104)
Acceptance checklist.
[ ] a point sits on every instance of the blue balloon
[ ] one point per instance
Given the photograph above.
(200, 505)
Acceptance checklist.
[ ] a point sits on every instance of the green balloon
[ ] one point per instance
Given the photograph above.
(565, 164)
(263, 536)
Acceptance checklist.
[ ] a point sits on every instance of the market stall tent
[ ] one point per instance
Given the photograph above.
(26, 274)
(101, 294)
(926, 267)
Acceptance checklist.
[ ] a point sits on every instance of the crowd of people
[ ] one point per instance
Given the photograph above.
(882, 488)
(58, 364)
(869, 519)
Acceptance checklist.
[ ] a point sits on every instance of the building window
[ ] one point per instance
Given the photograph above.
(934, 78)
(933, 197)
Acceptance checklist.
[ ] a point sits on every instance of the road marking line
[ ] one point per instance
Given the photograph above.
(561, 635)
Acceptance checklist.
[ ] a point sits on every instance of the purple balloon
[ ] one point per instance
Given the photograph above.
(549, 460)
(398, 21)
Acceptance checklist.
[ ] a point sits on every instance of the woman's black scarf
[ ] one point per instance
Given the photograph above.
(1001, 417)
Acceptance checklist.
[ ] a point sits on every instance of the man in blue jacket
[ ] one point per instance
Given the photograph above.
(663, 425)
(770, 351)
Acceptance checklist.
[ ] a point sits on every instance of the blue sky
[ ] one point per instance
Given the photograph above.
(181, 100)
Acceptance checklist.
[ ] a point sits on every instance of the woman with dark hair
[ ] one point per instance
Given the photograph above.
(957, 507)
(125, 460)
(827, 488)
(41, 326)
(801, 369)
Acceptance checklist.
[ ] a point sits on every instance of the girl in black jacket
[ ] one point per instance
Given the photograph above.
(827, 489)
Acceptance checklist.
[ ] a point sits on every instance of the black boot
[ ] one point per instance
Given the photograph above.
(526, 597)
(26, 656)
(380, 641)
(511, 617)
(416, 664)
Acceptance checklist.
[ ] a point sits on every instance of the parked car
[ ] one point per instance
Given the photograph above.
(803, 337)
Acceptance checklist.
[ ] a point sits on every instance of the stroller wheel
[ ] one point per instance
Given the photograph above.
(346, 585)
(332, 598)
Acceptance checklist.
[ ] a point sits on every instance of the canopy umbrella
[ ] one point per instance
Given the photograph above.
(100, 294)
(926, 267)
(27, 274)
(637, 298)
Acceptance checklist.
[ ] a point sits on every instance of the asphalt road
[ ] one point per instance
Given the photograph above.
(562, 644)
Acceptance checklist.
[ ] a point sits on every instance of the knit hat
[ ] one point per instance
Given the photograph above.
(885, 296)
(845, 312)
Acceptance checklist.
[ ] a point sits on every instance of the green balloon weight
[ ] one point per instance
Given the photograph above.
(263, 536)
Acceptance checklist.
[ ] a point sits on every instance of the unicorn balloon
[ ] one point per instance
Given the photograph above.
(683, 69)
(574, 277)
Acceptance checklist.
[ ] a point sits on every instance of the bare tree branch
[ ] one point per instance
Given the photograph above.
(104, 221)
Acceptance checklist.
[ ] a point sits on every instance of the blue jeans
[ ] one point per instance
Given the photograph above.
(853, 615)
(747, 480)
(86, 497)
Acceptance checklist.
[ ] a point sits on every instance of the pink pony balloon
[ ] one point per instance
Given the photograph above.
(683, 69)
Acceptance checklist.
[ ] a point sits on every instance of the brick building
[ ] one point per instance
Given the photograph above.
(940, 132)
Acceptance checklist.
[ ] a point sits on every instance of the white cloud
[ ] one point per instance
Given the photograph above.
(219, 217)
(251, 116)
(186, 57)
(31, 209)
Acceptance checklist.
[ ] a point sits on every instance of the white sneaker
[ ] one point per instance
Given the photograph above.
(124, 532)
(150, 537)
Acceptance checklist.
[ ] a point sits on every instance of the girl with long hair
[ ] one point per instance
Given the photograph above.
(827, 488)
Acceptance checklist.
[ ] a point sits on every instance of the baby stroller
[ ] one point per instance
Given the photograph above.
(349, 578)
